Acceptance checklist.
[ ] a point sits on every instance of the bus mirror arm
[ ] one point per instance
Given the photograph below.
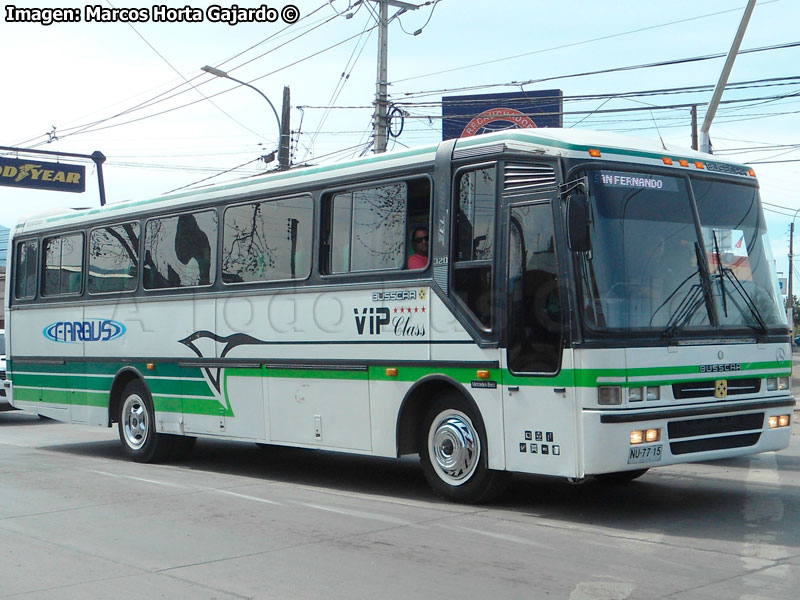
(578, 223)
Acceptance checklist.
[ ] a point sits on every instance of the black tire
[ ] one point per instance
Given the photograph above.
(137, 426)
(453, 452)
(620, 476)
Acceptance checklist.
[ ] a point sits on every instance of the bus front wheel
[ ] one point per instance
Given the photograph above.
(137, 426)
(454, 453)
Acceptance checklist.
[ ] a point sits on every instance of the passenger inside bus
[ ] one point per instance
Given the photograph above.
(420, 241)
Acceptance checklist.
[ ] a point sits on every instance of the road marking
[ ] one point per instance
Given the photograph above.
(602, 590)
(358, 513)
(153, 481)
(245, 497)
(491, 534)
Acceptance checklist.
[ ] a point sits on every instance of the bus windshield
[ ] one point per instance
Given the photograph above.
(674, 255)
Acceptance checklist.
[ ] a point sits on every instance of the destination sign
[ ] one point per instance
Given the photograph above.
(41, 175)
(639, 181)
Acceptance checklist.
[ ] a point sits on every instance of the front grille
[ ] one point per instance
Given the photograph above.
(721, 443)
(714, 425)
(715, 430)
(705, 389)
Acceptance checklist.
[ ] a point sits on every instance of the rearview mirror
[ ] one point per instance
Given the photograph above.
(578, 223)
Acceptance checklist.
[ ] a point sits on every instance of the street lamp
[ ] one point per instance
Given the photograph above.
(283, 159)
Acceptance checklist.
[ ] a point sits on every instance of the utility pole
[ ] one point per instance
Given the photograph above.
(705, 139)
(381, 84)
(283, 151)
(381, 125)
(695, 145)
(791, 253)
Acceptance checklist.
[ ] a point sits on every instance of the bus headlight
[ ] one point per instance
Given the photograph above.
(634, 394)
(772, 384)
(609, 395)
(653, 393)
(776, 421)
(783, 383)
(645, 436)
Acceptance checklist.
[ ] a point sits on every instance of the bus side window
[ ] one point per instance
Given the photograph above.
(63, 265)
(180, 251)
(366, 228)
(474, 241)
(25, 281)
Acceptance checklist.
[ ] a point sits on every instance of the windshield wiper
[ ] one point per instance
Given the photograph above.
(720, 273)
(692, 301)
(748, 300)
(698, 295)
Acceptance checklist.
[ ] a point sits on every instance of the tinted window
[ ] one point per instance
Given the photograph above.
(268, 240)
(63, 265)
(368, 229)
(114, 258)
(474, 241)
(180, 251)
(25, 269)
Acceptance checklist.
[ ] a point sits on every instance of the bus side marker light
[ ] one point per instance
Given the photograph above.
(151, 366)
(667, 160)
(683, 162)
(594, 152)
(484, 374)
(699, 165)
(609, 395)
(751, 172)
(391, 372)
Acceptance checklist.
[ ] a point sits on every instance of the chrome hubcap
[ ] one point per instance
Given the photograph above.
(455, 447)
(135, 421)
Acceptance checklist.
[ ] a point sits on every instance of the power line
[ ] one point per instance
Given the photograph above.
(571, 45)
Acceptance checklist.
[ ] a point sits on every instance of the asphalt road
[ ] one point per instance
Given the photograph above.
(78, 520)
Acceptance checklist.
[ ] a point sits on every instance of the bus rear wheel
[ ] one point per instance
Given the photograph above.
(137, 426)
(454, 453)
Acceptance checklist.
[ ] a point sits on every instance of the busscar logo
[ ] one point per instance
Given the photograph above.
(721, 368)
(89, 330)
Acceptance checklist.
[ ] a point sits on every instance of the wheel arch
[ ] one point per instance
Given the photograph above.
(415, 405)
(123, 377)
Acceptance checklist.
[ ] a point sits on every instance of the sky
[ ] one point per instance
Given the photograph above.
(134, 89)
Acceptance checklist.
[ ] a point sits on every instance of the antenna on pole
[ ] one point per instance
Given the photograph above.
(705, 139)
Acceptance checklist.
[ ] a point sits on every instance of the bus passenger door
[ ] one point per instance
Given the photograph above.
(538, 387)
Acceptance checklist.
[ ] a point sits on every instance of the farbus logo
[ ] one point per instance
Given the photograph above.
(90, 330)
(377, 317)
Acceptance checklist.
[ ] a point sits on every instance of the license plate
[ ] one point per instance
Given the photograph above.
(644, 454)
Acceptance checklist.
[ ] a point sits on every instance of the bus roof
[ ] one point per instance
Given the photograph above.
(568, 143)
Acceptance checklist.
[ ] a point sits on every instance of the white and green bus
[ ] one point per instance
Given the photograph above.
(588, 306)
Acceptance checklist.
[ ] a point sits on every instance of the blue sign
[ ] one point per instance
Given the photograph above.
(40, 175)
(89, 330)
(465, 116)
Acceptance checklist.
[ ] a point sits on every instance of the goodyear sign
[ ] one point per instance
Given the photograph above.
(40, 175)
